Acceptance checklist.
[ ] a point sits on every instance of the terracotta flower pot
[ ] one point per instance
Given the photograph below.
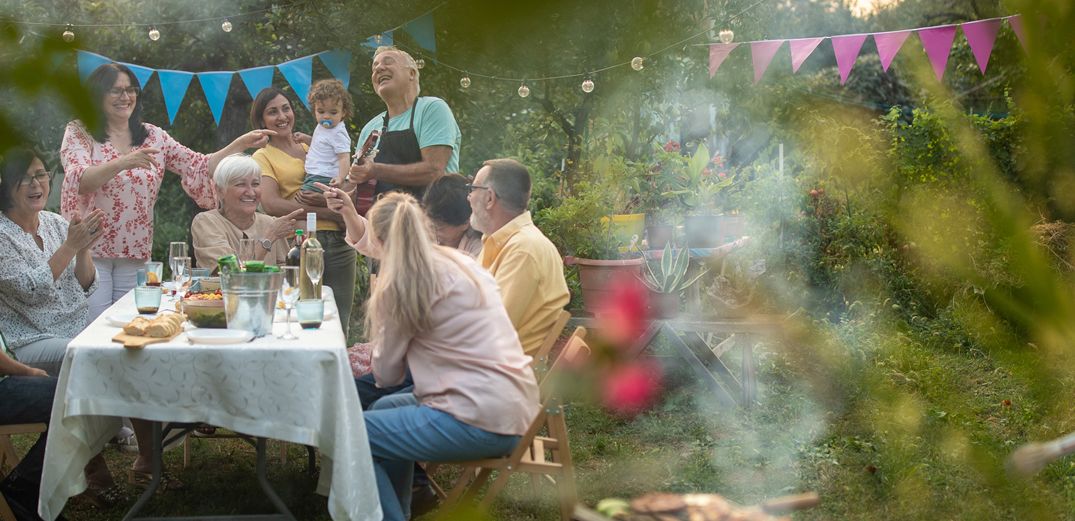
(597, 276)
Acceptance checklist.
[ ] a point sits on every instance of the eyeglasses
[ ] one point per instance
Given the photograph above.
(472, 187)
(117, 92)
(42, 177)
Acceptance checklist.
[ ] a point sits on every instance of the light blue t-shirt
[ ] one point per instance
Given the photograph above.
(434, 125)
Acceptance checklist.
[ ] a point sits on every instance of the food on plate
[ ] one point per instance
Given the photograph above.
(205, 309)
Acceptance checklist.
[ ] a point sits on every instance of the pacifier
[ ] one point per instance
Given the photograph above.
(327, 123)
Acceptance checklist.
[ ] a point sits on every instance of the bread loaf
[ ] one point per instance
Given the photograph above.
(136, 327)
(165, 325)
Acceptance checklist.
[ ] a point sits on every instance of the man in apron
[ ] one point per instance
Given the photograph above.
(419, 138)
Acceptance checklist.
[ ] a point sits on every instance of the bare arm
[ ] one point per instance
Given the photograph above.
(432, 166)
(277, 206)
(11, 367)
(252, 139)
(94, 177)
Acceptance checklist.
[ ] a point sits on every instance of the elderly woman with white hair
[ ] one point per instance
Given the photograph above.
(217, 232)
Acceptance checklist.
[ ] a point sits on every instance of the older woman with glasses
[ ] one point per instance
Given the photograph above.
(118, 166)
(218, 232)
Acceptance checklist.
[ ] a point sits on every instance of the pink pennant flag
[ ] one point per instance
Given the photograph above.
(938, 44)
(847, 49)
(717, 53)
(801, 50)
(980, 36)
(1016, 23)
(762, 55)
(888, 44)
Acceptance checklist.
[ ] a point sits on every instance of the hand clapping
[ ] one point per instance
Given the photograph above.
(83, 232)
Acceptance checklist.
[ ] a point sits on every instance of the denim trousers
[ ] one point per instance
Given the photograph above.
(368, 392)
(27, 399)
(339, 275)
(402, 432)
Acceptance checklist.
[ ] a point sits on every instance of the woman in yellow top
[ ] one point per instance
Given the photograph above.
(282, 168)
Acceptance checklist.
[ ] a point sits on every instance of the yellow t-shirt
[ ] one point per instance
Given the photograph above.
(288, 171)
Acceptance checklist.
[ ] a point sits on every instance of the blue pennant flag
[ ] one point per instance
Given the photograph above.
(174, 87)
(142, 73)
(88, 62)
(215, 86)
(298, 73)
(339, 64)
(257, 79)
(421, 29)
(377, 40)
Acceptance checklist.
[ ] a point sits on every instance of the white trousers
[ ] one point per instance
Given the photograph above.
(115, 277)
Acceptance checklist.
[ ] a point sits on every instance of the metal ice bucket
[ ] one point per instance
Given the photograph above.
(250, 300)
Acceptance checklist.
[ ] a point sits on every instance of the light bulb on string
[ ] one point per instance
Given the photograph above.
(524, 91)
(726, 36)
(636, 63)
(225, 25)
(587, 85)
(464, 82)
(68, 34)
(154, 34)
(420, 63)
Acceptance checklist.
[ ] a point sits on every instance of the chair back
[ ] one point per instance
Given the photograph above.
(541, 357)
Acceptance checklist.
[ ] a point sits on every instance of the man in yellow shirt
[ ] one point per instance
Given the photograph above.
(527, 267)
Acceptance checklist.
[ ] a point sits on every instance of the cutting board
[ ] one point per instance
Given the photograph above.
(139, 342)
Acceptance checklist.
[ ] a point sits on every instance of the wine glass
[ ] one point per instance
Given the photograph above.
(315, 265)
(246, 251)
(175, 251)
(289, 293)
(180, 275)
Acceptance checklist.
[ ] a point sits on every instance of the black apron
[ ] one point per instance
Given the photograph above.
(399, 147)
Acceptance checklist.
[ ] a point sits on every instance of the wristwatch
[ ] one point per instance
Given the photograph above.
(265, 243)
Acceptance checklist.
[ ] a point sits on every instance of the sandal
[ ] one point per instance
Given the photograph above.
(140, 478)
(102, 498)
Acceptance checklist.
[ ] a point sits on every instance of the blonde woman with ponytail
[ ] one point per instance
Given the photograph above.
(438, 314)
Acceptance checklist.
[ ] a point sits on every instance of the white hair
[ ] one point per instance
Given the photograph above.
(233, 167)
(408, 61)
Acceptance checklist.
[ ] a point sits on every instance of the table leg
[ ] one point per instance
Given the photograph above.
(748, 376)
(263, 480)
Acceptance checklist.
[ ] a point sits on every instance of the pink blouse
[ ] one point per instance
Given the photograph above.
(128, 198)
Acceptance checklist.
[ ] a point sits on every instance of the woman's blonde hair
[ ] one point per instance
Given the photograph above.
(409, 280)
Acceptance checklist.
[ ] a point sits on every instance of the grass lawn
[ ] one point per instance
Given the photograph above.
(924, 437)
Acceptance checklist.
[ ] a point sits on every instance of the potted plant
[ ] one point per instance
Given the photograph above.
(580, 228)
(654, 194)
(668, 280)
(697, 188)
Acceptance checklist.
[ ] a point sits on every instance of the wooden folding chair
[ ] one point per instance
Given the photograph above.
(8, 458)
(541, 357)
(547, 456)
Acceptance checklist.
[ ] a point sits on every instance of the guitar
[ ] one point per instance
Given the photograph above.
(364, 193)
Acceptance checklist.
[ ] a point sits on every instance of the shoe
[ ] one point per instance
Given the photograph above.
(203, 430)
(102, 498)
(423, 500)
(125, 441)
(142, 479)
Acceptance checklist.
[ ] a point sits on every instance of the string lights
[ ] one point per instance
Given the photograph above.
(464, 82)
(587, 85)
(154, 34)
(524, 91)
(68, 34)
(225, 25)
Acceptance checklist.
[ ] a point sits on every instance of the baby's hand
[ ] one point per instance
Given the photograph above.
(301, 138)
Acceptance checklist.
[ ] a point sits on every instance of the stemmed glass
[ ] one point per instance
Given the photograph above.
(289, 293)
(176, 250)
(180, 275)
(246, 251)
(315, 265)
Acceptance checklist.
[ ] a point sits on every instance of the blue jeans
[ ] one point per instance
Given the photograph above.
(26, 399)
(402, 432)
(368, 392)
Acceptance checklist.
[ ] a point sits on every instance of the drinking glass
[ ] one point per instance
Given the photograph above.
(180, 275)
(289, 293)
(246, 251)
(176, 250)
(147, 299)
(315, 265)
(140, 277)
(154, 273)
(310, 312)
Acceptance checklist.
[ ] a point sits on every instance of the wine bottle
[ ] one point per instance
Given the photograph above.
(307, 289)
(294, 255)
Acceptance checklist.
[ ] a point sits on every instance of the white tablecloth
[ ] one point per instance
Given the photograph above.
(300, 391)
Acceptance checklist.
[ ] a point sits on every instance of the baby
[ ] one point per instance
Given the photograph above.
(330, 146)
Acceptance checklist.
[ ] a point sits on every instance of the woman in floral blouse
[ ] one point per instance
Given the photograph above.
(118, 167)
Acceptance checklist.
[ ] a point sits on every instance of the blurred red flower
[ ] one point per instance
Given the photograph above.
(622, 317)
(630, 388)
(671, 146)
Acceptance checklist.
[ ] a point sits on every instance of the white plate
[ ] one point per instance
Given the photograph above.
(219, 336)
(281, 315)
(122, 319)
